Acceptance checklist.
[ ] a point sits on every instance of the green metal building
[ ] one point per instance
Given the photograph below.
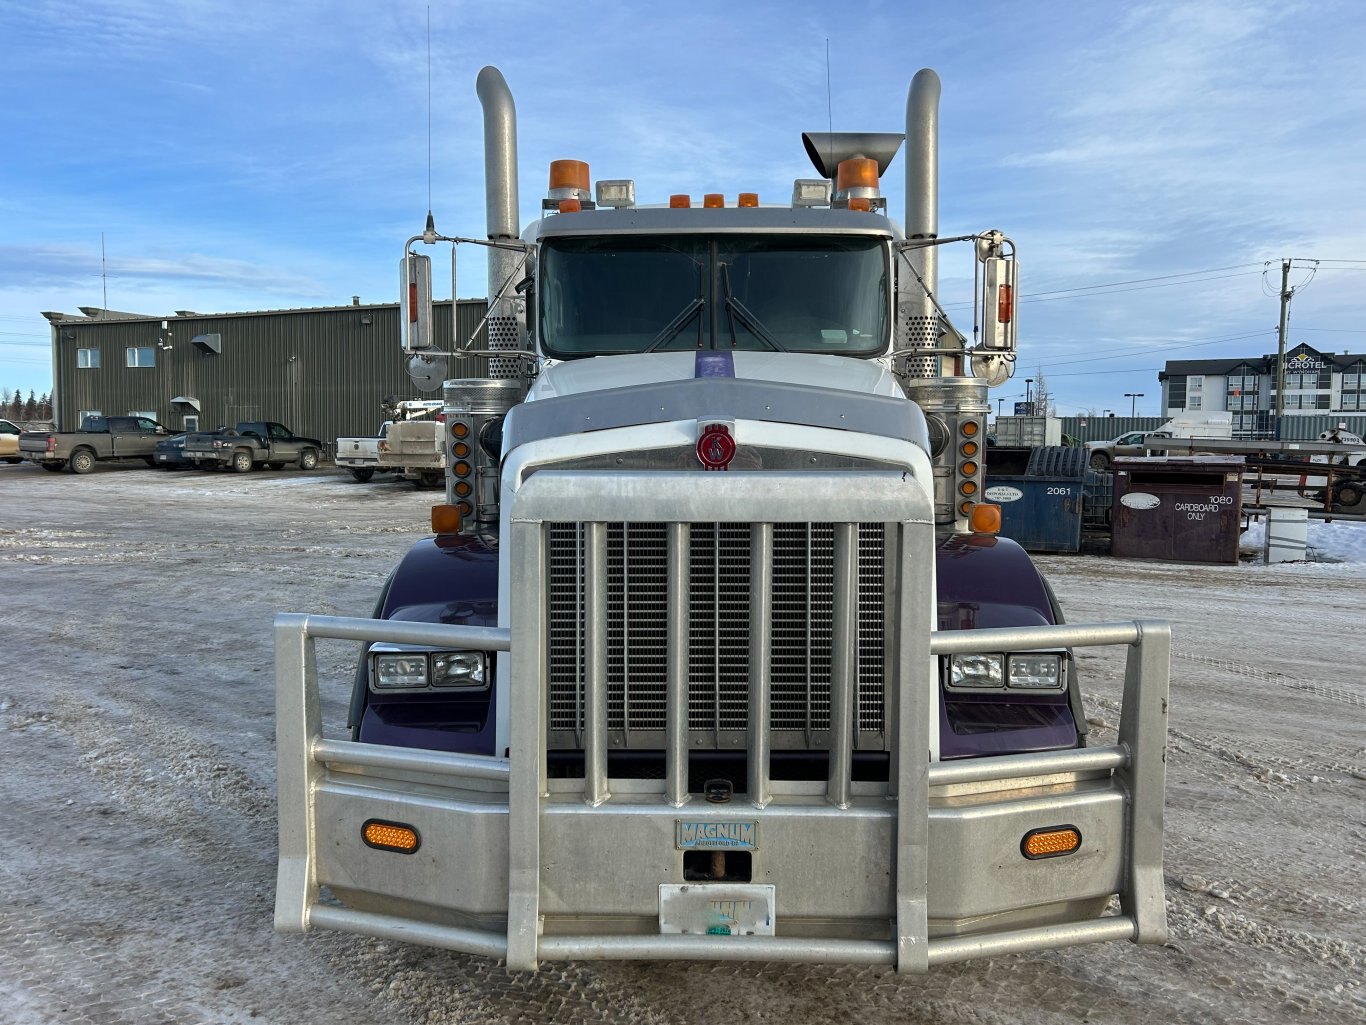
(321, 372)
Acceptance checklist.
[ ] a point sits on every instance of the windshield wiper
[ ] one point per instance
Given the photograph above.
(673, 327)
(736, 310)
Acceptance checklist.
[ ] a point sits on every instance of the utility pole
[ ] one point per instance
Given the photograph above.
(1286, 293)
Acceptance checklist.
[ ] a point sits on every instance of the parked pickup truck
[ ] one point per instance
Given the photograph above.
(9, 441)
(361, 455)
(252, 443)
(100, 439)
(416, 450)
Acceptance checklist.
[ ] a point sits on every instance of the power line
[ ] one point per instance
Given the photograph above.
(1112, 288)
(1120, 354)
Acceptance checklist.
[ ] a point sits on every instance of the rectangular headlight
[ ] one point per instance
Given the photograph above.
(1034, 672)
(401, 669)
(976, 671)
(458, 669)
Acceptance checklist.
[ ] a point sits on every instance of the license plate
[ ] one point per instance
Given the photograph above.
(716, 909)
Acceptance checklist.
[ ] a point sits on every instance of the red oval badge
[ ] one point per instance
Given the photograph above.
(715, 447)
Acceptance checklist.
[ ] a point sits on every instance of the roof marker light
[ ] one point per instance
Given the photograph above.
(570, 206)
(748, 199)
(713, 201)
(568, 174)
(680, 201)
(856, 173)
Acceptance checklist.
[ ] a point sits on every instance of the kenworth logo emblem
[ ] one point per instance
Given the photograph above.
(716, 836)
(715, 447)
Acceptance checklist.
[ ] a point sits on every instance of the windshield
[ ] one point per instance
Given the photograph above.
(779, 293)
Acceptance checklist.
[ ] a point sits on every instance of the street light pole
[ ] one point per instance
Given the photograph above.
(1029, 401)
(1133, 406)
(998, 407)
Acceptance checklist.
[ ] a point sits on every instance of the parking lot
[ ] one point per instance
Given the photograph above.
(136, 735)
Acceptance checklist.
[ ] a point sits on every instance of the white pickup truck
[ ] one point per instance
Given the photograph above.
(1185, 425)
(361, 455)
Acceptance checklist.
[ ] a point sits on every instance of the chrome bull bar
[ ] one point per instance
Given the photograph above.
(307, 760)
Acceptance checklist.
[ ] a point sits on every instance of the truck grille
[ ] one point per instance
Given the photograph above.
(719, 628)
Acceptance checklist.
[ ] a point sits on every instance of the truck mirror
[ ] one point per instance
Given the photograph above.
(415, 301)
(999, 301)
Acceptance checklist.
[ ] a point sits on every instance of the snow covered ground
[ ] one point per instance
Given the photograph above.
(1341, 541)
(137, 858)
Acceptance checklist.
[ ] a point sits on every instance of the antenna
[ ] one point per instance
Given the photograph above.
(104, 277)
(429, 111)
(829, 107)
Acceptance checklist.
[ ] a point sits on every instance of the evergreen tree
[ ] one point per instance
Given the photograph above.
(31, 406)
(16, 405)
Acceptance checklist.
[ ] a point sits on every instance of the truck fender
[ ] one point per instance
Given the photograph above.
(445, 579)
(984, 581)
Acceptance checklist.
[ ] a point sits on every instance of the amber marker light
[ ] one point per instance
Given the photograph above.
(713, 201)
(460, 450)
(390, 836)
(462, 469)
(460, 429)
(446, 519)
(570, 206)
(969, 428)
(1051, 842)
(968, 469)
(856, 173)
(462, 488)
(968, 487)
(568, 174)
(680, 201)
(748, 199)
(968, 448)
(1005, 304)
(985, 518)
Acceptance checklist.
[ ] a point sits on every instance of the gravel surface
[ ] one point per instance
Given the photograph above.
(137, 858)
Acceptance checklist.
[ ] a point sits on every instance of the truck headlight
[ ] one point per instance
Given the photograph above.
(458, 669)
(1034, 671)
(404, 669)
(976, 671)
(424, 670)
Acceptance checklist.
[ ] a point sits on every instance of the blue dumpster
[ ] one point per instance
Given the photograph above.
(1040, 492)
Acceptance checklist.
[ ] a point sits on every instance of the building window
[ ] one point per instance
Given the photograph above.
(1193, 402)
(1195, 382)
(1176, 393)
(150, 414)
(141, 355)
(85, 414)
(87, 359)
(190, 422)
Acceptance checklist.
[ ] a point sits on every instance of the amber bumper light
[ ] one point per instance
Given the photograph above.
(390, 836)
(1051, 842)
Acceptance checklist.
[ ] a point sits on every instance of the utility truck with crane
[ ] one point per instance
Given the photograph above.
(715, 653)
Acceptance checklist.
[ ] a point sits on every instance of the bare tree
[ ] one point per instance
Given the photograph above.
(1043, 399)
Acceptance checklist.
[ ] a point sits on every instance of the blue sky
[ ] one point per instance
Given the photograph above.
(242, 156)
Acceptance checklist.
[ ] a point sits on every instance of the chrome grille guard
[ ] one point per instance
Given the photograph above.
(325, 785)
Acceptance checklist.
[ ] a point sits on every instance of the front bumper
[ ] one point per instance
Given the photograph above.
(923, 869)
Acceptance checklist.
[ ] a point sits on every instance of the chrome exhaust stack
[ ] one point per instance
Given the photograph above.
(507, 309)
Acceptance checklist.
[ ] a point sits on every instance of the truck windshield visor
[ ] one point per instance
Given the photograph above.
(779, 293)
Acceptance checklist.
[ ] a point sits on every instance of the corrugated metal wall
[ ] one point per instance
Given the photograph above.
(324, 372)
(1295, 428)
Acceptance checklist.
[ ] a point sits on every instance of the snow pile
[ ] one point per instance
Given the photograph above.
(1338, 541)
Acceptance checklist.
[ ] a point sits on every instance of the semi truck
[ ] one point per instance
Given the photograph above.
(715, 652)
